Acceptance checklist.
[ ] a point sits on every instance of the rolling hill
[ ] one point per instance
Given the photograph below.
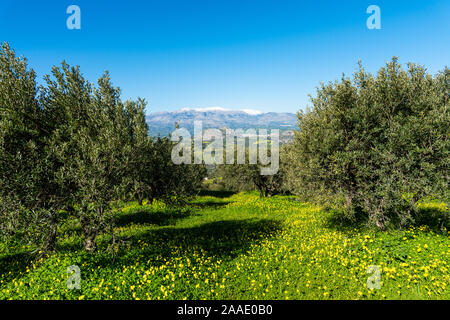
(163, 123)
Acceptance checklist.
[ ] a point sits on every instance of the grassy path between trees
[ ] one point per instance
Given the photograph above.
(235, 247)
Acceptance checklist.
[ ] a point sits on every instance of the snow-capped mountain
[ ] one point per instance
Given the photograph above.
(163, 123)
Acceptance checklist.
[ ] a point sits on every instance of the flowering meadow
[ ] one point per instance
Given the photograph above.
(234, 246)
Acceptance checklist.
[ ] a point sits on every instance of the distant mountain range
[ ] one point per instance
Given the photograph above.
(163, 123)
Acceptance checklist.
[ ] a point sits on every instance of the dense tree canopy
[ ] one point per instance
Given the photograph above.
(375, 145)
(245, 177)
(27, 196)
(75, 147)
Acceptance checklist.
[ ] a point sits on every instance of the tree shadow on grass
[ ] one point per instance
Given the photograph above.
(160, 218)
(219, 238)
(141, 216)
(436, 220)
(337, 220)
(15, 263)
(210, 204)
(217, 194)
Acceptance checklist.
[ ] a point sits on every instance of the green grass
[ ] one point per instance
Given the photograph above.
(234, 247)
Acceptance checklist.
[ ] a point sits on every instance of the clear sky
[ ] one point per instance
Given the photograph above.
(264, 55)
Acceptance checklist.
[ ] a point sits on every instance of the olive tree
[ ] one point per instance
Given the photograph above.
(91, 141)
(247, 177)
(28, 198)
(374, 145)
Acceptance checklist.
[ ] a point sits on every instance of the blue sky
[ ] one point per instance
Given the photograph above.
(264, 55)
